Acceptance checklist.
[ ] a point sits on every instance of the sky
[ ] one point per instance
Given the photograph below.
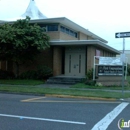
(102, 17)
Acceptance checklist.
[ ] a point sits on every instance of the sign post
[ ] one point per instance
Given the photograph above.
(123, 67)
(122, 35)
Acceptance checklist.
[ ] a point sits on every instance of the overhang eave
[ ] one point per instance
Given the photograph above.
(96, 43)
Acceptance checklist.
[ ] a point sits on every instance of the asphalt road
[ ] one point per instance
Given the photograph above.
(24, 112)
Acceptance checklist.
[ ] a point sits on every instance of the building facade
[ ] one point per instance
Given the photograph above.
(72, 48)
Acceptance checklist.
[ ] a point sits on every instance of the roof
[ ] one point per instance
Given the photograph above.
(96, 43)
(70, 24)
(65, 21)
(33, 12)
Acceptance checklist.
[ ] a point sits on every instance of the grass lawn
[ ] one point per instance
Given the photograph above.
(31, 88)
(21, 82)
(82, 85)
(61, 91)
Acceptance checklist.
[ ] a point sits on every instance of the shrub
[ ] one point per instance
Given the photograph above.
(98, 84)
(31, 74)
(6, 74)
(90, 82)
(89, 74)
(42, 72)
(128, 70)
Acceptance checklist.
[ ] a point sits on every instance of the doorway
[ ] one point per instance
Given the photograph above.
(75, 61)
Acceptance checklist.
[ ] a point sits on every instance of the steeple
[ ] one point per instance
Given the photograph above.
(33, 12)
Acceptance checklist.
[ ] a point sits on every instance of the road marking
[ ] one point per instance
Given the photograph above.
(39, 99)
(63, 101)
(43, 119)
(105, 122)
(31, 99)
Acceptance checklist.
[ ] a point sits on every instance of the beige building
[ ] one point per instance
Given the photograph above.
(72, 47)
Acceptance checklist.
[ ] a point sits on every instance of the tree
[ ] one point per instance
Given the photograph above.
(21, 41)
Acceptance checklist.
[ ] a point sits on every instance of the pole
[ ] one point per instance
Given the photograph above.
(94, 69)
(123, 56)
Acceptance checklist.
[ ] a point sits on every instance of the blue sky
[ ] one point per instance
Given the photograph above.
(102, 17)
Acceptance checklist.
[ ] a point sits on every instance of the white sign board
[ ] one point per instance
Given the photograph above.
(110, 61)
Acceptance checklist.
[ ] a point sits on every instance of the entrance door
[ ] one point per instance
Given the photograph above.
(75, 62)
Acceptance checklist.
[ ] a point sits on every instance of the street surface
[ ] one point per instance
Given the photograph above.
(26, 112)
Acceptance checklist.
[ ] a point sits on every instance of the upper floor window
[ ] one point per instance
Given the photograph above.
(50, 27)
(62, 28)
(68, 31)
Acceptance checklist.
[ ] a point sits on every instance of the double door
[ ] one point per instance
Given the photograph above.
(75, 62)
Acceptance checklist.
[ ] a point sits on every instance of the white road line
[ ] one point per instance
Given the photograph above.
(42, 119)
(32, 99)
(105, 122)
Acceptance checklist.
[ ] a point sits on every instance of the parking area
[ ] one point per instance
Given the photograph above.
(18, 112)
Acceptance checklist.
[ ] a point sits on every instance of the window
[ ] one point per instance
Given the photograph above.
(52, 27)
(43, 27)
(71, 33)
(49, 27)
(76, 34)
(62, 29)
(68, 31)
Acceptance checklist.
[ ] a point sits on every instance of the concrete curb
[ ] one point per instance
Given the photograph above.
(81, 97)
(62, 96)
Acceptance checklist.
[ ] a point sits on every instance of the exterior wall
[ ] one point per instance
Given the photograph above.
(58, 35)
(64, 36)
(54, 35)
(91, 52)
(108, 54)
(90, 56)
(83, 36)
(57, 61)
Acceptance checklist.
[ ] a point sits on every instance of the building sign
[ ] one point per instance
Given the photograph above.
(110, 61)
(109, 70)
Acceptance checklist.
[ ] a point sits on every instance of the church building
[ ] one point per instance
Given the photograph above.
(72, 47)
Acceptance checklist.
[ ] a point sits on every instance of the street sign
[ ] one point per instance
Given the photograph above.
(122, 34)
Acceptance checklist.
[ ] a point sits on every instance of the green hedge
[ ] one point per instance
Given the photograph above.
(6, 74)
(41, 73)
